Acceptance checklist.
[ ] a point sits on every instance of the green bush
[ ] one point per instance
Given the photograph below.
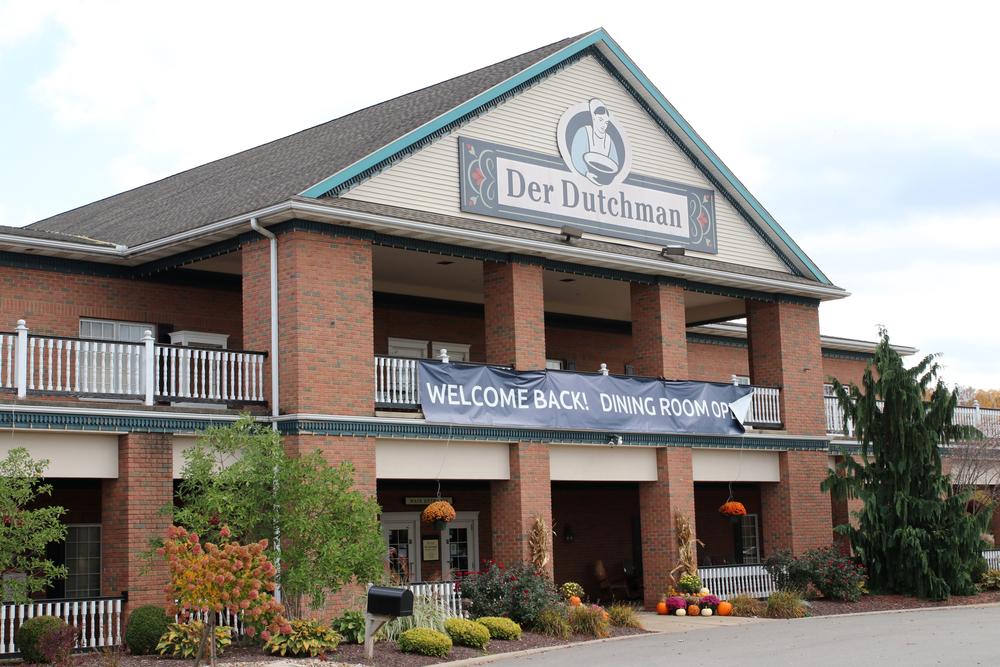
(519, 592)
(467, 633)
(501, 628)
(624, 616)
(788, 571)
(145, 627)
(307, 638)
(830, 570)
(990, 580)
(425, 641)
(589, 620)
(427, 613)
(350, 626)
(689, 584)
(29, 634)
(980, 568)
(554, 622)
(182, 640)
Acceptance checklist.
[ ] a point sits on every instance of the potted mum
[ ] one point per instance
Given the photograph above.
(733, 511)
(438, 513)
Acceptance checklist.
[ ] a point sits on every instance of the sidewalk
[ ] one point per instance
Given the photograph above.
(656, 623)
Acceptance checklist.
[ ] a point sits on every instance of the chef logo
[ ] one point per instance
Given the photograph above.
(593, 143)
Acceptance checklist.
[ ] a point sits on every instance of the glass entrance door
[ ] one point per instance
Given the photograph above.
(402, 541)
(461, 543)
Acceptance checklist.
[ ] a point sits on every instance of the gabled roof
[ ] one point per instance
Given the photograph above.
(325, 159)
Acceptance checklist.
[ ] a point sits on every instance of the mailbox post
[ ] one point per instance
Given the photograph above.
(383, 605)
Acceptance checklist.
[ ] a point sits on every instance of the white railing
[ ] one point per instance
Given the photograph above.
(445, 593)
(726, 581)
(223, 619)
(765, 407)
(98, 619)
(396, 381)
(993, 558)
(986, 420)
(835, 417)
(56, 365)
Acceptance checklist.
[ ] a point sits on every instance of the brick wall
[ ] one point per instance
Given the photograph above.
(714, 529)
(130, 516)
(516, 502)
(659, 336)
(590, 349)
(514, 303)
(600, 515)
(397, 323)
(796, 515)
(256, 303)
(845, 370)
(52, 303)
(784, 350)
(659, 502)
(716, 363)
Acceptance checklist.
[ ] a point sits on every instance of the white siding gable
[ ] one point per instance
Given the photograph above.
(429, 179)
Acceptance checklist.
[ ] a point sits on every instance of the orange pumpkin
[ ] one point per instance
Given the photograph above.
(725, 608)
(693, 610)
(574, 600)
(661, 609)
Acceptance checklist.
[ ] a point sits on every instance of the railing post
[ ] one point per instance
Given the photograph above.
(149, 366)
(735, 380)
(21, 363)
(975, 414)
(604, 369)
(443, 356)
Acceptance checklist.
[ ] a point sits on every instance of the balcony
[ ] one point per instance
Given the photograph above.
(147, 372)
(986, 420)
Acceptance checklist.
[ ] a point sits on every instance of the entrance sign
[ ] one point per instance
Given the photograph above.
(590, 186)
(456, 393)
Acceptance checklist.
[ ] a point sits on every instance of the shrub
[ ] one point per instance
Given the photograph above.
(990, 580)
(307, 638)
(689, 584)
(29, 634)
(145, 627)
(746, 606)
(624, 616)
(350, 627)
(980, 568)
(785, 604)
(709, 601)
(520, 592)
(425, 641)
(182, 640)
(554, 622)
(501, 628)
(835, 575)
(570, 589)
(674, 603)
(788, 572)
(467, 633)
(56, 645)
(427, 613)
(589, 620)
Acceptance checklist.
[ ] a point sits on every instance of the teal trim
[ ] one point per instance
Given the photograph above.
(832, 353)
(403, 142)
(63, 422)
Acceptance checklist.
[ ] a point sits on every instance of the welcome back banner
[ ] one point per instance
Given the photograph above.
(458, 393)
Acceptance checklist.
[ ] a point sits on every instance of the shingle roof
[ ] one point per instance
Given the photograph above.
(33, 233)
(278, 170)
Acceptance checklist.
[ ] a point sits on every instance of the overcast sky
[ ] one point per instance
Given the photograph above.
(870, 131)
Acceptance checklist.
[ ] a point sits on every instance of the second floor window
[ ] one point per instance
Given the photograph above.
(112, 330)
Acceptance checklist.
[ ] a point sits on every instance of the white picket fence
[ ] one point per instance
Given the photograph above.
(396, 381)
(444, 593)
(99, 620)
(765, 407)
(993, 558)
(76, 367)
(726, 581)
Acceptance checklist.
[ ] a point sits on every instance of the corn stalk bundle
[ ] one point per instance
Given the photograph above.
(538, 539)
(686, 541)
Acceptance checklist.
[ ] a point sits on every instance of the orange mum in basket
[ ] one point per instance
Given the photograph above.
(733, 508)
(439, 511)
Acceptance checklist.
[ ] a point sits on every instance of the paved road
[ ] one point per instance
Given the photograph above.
(951, 636)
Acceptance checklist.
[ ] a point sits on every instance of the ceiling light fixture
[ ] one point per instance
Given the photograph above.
(446, 263)
(570, 233)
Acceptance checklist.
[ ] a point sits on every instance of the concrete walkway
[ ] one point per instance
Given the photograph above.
(656, 623)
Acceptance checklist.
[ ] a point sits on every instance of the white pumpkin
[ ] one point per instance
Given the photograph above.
(681, 612)
(703, 592)
(706, 612)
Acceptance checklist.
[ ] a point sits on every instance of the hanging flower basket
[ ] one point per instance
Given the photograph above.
(733, 511)
(439, 514)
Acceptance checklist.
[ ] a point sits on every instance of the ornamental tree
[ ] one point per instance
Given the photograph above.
(914, 534)
(240, 475)
(24, 532)
(225, 576)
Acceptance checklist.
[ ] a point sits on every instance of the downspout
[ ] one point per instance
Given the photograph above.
(274, 315)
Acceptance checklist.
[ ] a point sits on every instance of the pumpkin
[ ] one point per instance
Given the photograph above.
(574, 600)
(680, 612)
(693, 610)
(706, 612)
(725, 609)
(703, 592)
(661, 609)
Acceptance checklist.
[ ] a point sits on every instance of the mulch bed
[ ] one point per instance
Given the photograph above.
(896, 603)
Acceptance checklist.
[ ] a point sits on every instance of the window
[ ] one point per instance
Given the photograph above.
(553, 364)
(110, 330)
(456, 351)
(83, 560)
(751, 548)
(742, 380)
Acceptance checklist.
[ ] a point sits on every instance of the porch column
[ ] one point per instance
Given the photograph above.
(514, 302)
(659, 330)
(130, 507)
(325, 333)
(784, 350)
(515, 503)
(796, 515)
(659, 503)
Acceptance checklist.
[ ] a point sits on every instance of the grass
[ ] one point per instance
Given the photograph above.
(624, 616)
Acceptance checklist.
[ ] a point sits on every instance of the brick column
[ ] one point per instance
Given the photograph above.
(516, 502)
(784, 350)
(514, 302)
(130, 508)
(659, 503)
(796, 514)
(659, 330)
(326, 340)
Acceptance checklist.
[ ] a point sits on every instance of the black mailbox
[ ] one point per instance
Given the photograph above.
(384, 601)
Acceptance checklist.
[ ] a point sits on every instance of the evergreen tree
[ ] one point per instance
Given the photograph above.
(913, 533)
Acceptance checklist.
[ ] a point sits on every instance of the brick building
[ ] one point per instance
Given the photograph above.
(552, 212)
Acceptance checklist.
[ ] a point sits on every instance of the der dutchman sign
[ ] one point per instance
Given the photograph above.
(590, 186)
(456, 393)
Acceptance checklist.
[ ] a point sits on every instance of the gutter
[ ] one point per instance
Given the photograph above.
(274, 312)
